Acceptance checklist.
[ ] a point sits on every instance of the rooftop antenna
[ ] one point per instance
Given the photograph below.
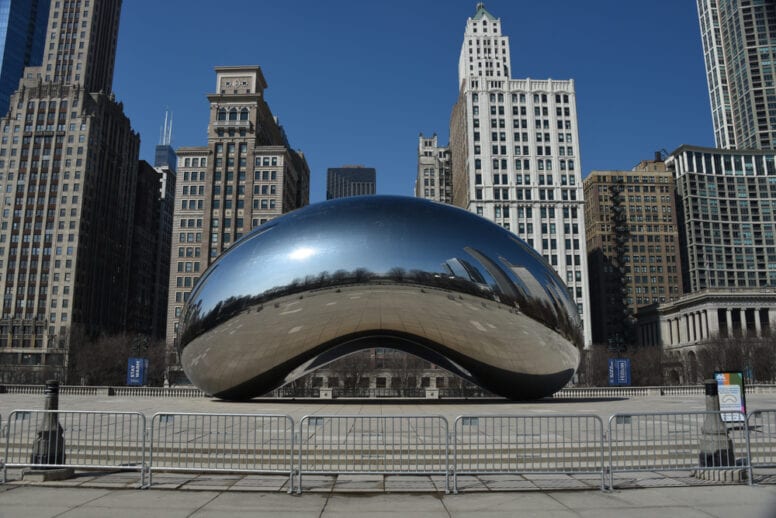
(165, 133)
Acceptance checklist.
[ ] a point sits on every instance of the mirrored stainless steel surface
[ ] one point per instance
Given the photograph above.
(380, 271)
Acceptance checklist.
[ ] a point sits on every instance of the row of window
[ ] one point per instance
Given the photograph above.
(525, 164)
(503, 179)
(526, 194)
(521, 98)
(192, 162)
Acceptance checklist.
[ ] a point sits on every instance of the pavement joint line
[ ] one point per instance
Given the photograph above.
(195, 511)
(328, 497)
(442, 501)
(81, 504)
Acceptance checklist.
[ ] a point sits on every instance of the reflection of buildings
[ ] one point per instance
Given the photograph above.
(71, 157)
(515, 154)
(633, 247)
(22, 38)
(433, 181)
(386, 373)
(350, 180)
(246, 175)
(464, 269)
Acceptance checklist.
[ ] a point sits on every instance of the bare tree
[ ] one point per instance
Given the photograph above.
(353, 369)
(755, 356)
(103, 360)
(646, 365)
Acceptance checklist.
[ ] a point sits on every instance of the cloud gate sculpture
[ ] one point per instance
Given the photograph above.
(380, 271)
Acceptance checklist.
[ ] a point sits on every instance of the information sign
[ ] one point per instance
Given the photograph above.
(619, 372)
(731, 394)
(136, 371)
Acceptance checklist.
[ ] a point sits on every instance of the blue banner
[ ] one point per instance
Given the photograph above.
(619, 372)
(136, 371)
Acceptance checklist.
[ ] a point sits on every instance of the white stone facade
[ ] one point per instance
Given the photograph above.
(515, 155)
(434, 173)
(708, 314)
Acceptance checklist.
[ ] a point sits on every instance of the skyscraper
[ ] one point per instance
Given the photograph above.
(164, 154)
(728, 217)
(22, 35)
(350, 180)
(737, 40)
(68, 166)
(434, 174)
(515, 154)
(632, 245)
(245, 176)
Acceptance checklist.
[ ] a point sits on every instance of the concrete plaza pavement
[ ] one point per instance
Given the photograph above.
(450, 409)
(666, 502)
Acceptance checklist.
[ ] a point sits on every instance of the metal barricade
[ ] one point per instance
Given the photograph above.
(226, 443)
(2, 449)
(669, 441)
(762, 439)
(75, 439)
(382, 445)
(518, 444)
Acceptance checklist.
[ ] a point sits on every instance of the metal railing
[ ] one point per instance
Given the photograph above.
(373, 392)
(231, 443)
(761, 425)
(509, 444)
(387, 445)
(669, 441)
(2, 447)
(384, 445)
(75, 439)
(92, 390)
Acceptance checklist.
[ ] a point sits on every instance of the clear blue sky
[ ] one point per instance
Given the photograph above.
(355, 82)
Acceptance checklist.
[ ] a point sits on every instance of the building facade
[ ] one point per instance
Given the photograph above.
(515, 154)
(245, 176)
(737, 40)
(632, 246)
(433, 181)
(22, 36)
(727, 206)
(68, 166)
(699, 317)
(350, 180)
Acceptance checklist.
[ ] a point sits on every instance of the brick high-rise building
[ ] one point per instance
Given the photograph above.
(246, 175)
(632, 245)
(515, 154)
(150, 265)
(68, 168)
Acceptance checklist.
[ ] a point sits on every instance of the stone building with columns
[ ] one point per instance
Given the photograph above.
(708, 314)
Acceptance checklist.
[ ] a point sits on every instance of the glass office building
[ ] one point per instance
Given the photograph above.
(22, 35)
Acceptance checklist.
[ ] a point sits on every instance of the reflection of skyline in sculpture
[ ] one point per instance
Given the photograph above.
(332, 278)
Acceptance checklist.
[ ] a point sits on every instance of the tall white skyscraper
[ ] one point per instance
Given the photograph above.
(515, 154)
